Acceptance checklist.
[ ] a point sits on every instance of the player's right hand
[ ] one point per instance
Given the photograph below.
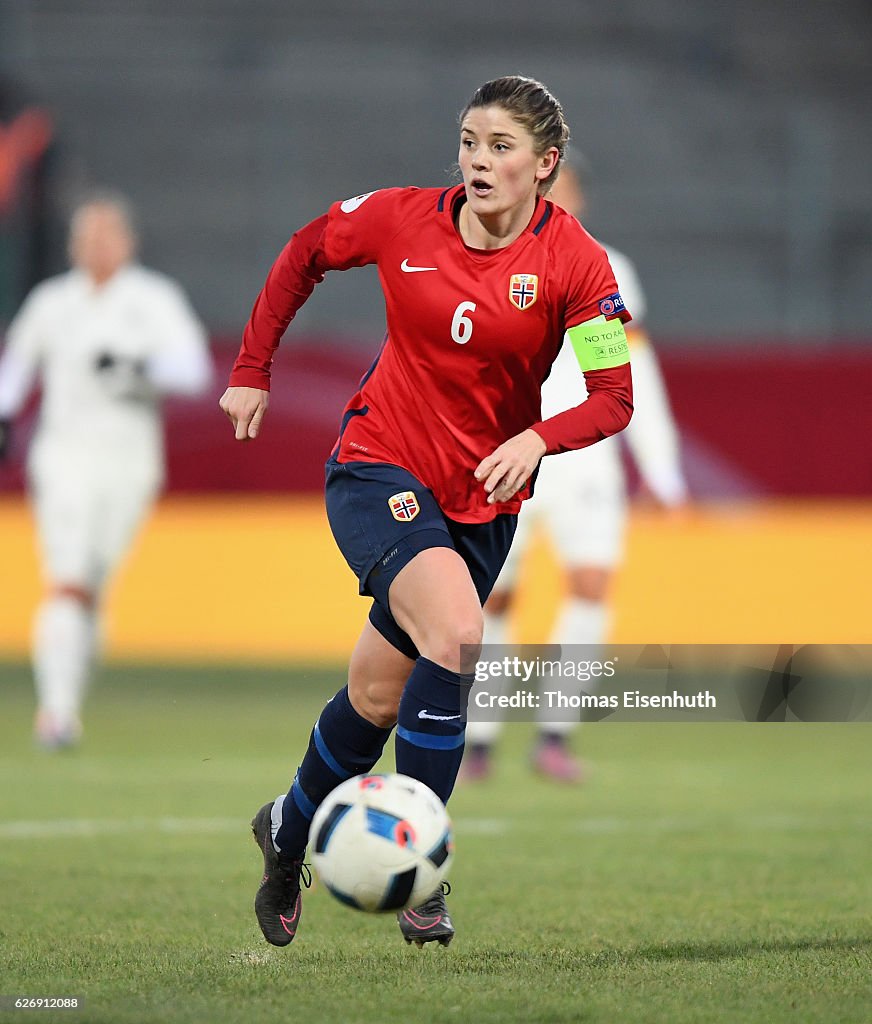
(246, 408)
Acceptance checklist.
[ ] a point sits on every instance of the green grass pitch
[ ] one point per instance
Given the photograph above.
(704, 872)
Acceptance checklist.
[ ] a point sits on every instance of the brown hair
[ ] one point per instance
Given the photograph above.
(532, 106)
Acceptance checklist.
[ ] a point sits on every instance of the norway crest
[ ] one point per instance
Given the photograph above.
(404, 506)
(523, 290)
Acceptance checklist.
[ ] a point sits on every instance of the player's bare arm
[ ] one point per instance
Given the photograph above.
(506, 470)
(246, 408)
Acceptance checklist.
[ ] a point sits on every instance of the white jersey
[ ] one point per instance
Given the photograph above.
(651, 435)
(104, 356)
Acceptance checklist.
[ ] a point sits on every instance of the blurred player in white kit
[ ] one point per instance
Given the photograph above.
(107, 339)
(581, 501)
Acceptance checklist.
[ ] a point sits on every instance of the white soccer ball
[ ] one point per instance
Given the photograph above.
(381, 842)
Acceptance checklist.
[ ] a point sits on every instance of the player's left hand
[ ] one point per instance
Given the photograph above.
(647, 500)
(506, 470)
(5, 438)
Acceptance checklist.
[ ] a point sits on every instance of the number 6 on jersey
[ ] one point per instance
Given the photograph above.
(461, 325)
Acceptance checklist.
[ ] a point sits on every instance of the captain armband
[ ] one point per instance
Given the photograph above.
(600, 346)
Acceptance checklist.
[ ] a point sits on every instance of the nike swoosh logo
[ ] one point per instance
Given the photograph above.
(437, 718)
(404, 266)
(425, 922)
(350, 205)
(290, 923)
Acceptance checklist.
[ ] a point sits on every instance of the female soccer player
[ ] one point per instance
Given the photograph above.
(438, 447)
(106, 340)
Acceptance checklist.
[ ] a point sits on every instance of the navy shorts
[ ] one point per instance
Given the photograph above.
(382, 516)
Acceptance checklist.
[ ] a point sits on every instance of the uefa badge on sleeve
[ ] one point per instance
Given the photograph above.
(404, 506)
(611, 305)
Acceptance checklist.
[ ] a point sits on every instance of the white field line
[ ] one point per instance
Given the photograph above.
(87, 828)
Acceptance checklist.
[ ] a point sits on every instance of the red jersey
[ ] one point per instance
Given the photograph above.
(471, 336)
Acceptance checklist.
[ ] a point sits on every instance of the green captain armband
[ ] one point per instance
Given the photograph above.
(600, 346)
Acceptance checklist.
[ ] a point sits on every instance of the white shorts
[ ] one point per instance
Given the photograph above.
(580, 503)
(88, 515)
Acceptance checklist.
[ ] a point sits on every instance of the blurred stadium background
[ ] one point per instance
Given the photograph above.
(731, 162)
(713, 874)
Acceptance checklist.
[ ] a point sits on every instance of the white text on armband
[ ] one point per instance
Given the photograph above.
(600, 346)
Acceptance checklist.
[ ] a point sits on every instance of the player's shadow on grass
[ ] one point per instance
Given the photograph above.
(486, 961)
(714, 951)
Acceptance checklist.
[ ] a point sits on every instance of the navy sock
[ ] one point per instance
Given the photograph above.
(342, 744)
(431, 726)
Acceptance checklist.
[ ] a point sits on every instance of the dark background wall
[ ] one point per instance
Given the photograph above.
(729, 142)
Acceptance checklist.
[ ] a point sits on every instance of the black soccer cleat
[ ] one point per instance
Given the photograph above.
(278, 902)
(428, 922)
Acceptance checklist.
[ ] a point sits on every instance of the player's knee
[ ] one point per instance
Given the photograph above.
(74, 591)
(456, 645)
(589, 583)
(377, 703)
(499, 602)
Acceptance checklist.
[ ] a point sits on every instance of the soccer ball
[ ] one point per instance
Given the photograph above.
(381, 842)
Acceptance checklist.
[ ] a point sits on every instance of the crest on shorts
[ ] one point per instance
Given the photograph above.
(404, 506)
(523, 290)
